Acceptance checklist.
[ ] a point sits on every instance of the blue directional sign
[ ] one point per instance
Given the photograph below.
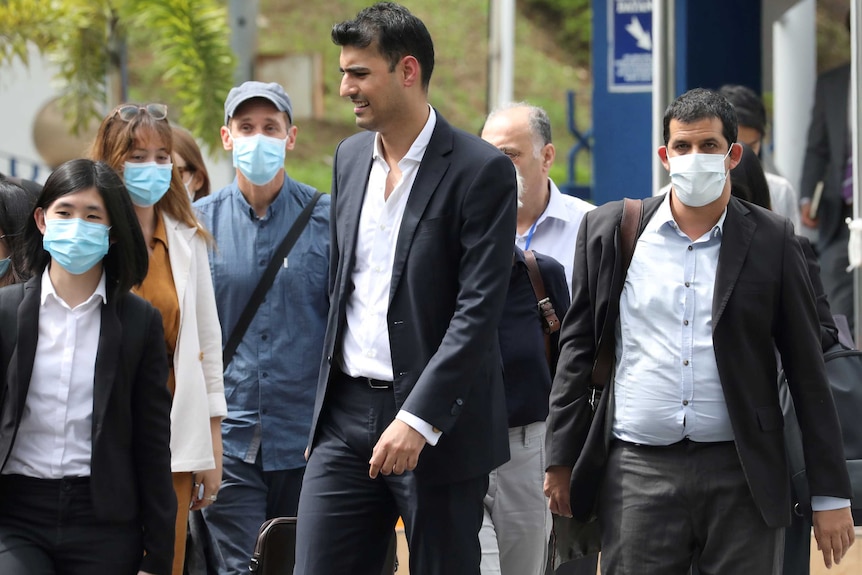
(630, 45)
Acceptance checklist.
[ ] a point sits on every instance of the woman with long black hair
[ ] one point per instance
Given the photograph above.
(85, 473)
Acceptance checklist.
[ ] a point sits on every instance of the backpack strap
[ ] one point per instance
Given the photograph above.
(604, 362)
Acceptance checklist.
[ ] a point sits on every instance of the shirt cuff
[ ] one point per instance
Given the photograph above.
(826, 503)
(429, 432)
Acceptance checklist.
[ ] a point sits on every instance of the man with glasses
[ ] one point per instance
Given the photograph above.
(271, 381)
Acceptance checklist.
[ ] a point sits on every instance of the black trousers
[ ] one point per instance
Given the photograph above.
(346, 519)
(48, 527)
(662, 509)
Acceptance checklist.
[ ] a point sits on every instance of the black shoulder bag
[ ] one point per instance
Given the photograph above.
(266, 281)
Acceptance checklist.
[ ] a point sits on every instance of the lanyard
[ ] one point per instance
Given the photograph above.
(530, 235)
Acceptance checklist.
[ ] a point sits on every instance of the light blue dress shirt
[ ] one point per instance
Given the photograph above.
(666, 386)
(271, 383)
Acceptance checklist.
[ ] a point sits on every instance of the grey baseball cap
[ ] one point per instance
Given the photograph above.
(252, 89)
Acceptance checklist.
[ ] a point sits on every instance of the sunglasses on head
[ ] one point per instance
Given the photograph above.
(127, 112)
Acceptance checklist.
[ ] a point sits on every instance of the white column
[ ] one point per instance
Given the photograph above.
(663, 83)
(856, 137)
(794, 75)
(501, 53)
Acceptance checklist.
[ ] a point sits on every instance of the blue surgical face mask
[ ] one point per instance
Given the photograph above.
(5, 264)
(75, 244)
(259, 157)
(147, 182)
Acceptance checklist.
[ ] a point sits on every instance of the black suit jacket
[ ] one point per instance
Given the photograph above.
(130, 468)
(826, 152)
(763, 299)
(448, 287)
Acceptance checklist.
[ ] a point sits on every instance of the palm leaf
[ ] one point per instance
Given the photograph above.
(189, 42)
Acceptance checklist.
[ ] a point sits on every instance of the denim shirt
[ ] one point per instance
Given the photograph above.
(271, 383)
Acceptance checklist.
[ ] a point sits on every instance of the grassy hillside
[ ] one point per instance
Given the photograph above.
(458, 88)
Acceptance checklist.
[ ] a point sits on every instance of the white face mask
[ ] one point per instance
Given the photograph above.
(698, 179)
(190, 192)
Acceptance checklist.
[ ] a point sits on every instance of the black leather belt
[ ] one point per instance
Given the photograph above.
(683, 443)
(372, 383)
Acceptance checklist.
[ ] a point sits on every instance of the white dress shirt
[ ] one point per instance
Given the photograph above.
(54, 438)
(555, 233)
(366, 351)
(783, 198)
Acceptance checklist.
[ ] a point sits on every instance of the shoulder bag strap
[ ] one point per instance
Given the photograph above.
(266, 281)
(629, 225)
(550, 322)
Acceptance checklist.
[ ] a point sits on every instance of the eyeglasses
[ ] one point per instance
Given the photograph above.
(128, 112)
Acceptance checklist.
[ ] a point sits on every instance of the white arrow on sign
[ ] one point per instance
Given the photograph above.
(644, 40)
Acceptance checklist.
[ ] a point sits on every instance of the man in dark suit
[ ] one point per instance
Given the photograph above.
(688, 434)
(827, 157)
(423, 217)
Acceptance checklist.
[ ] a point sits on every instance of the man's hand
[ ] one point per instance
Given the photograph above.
(805, 216)
(396, 451)
(557, 479)
(834, 533)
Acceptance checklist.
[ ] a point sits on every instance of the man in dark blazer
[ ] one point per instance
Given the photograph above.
(423, 217)
(688, 431)
(826, 157)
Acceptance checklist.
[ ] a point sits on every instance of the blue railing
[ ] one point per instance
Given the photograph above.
(583, 143)
(17, 166)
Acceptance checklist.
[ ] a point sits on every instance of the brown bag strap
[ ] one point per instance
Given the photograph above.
(550, 321)
(629, 225)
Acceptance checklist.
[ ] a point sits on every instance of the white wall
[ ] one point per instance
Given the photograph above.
(23, 92)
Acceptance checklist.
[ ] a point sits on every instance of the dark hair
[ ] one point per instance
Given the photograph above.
(16, 205)
(127, 259)
(699, 104)
(398, 33)
(748, 180)
(185, 146)
(750, 110)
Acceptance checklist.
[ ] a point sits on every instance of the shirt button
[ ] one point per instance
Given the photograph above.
(685, 322)
(687, 284)
(262, 262)
(690, 248)
(382, 226)
(264, 374)
(685, 362)
(368, 353)
(685, 402)
(263, 337)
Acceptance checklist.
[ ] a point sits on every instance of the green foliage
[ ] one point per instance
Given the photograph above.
(189, 41)
(84, 38)
(315, 174)
(72, 34)
(568, 21)
(544, 71)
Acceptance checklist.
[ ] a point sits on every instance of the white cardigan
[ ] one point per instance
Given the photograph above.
(199, 393)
